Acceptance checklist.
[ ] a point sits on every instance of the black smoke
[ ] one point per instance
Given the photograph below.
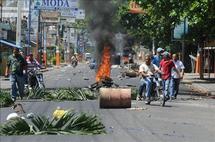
(100, 16)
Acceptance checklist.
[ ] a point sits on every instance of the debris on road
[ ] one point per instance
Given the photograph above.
(85, 78)
(137, 108)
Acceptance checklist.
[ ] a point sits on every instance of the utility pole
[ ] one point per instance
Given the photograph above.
(38, 37)
(45, 46)
(1, 10)
(57, 47)
(68, 46)
(29, 27)
(153, 46)
(18, 23)
(183, 41)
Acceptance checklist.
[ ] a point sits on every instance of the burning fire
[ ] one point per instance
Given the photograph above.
(104, 67)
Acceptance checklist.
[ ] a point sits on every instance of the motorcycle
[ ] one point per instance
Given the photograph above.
(35, 80)
(74, 62)
(156, 89)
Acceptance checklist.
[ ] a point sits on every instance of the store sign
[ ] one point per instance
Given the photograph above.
(55, 4)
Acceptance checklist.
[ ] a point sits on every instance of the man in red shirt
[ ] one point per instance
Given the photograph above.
(166, 66)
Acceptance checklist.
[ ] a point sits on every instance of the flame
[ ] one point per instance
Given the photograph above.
(104, 67)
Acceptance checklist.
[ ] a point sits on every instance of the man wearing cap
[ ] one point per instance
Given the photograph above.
(158, 57)
(16, 64)
(166, 66)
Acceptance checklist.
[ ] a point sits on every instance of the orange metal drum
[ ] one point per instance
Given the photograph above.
(115, 98)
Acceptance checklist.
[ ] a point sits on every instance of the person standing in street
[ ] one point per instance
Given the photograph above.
(175, 77)
(16, 65)
(166, 66)
(156, 59)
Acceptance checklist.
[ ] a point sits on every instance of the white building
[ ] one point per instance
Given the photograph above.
(9, 8)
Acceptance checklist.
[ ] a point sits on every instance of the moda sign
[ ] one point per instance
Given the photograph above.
(56, 4)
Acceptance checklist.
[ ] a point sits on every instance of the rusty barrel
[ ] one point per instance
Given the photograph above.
(115, 97)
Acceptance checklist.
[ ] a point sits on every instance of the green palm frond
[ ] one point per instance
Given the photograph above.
(15, 126)
(40, 123)
(37, 93)
(84, 124)
(5, 99)
(73, 94)
(69, 123)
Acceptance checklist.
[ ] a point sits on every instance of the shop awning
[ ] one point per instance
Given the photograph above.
(8, 43)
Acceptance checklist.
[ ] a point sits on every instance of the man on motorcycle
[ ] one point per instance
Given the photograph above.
(32, 64)
(74, 60)
(146, 70)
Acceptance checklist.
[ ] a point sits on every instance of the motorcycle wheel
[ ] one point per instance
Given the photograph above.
(26, 90)
(163, 101)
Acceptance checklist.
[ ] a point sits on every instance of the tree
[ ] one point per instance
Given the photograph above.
(162, 16)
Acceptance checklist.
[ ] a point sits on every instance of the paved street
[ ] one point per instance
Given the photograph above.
(82, 76)
(190, 118)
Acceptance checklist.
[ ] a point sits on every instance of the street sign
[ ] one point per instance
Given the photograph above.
(37, 4)
(80, 14)
(74, 13)
(68, 13)
(181, 29)
(70, 20)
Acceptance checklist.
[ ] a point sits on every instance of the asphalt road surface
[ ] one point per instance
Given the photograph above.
(190, 118)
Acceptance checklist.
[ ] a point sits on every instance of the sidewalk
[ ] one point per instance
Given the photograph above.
(205, 86)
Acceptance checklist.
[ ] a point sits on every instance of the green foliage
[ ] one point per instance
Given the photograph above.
(37, 93)
(79, 24)
(70, 94)
(53, 59)
(15, 126)
(134, 93)
(75, 94)
(5, 99)
(162, 16)
(69, 123)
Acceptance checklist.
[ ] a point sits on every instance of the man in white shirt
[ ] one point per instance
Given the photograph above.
(175, 77)
(146, 70)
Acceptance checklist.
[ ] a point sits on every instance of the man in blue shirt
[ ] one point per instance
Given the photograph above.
(158, 57)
